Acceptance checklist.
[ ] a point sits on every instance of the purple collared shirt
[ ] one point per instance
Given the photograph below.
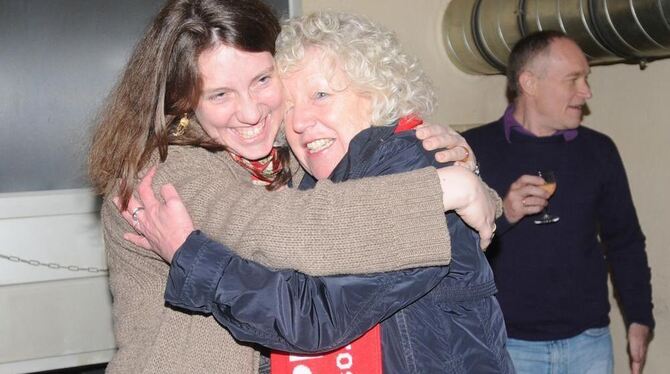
(510, 123)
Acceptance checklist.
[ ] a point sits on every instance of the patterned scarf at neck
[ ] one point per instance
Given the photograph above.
(263, 171)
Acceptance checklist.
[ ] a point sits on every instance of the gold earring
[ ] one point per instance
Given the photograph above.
(181, 127)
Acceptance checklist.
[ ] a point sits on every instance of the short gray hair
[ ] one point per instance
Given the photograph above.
(370, 56)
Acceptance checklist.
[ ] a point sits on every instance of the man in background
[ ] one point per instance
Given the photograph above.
(552, 273)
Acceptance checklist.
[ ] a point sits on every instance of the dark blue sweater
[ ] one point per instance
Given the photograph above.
(552, 279)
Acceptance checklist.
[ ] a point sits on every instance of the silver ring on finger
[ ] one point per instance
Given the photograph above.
(134, 214)
(136, 227)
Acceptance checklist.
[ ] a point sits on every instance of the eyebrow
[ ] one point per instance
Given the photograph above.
(267, 71)
(580, 73)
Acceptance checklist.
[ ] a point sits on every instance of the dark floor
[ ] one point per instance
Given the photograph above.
(91, 369)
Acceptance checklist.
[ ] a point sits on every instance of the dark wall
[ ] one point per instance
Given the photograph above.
(58, 61)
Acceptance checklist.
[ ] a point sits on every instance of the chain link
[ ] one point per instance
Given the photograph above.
(53, 265)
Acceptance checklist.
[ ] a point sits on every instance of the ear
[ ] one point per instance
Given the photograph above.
(528, 82)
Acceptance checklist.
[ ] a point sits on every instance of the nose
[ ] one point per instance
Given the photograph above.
(299, 117)
(585, 90)
(248, 111)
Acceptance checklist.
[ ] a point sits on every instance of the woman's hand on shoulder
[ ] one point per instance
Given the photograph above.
(453, 145)
(466, 194)
(161, 226)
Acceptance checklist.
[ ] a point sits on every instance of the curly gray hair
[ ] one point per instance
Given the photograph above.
(369, 55)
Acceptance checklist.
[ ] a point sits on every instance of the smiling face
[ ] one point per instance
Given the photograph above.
(241, 102)
(557, 88)
(324, 112)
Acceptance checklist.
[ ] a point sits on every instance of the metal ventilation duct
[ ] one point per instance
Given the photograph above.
(459, 39)
(479, 34)
(633, 29)
(497, 29)
(573, 17)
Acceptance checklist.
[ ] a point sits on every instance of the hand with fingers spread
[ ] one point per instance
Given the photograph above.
(525, 197)
(162, 226)
(466, 194)
(456, 147)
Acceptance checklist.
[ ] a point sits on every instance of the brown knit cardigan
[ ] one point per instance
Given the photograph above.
(370, 225)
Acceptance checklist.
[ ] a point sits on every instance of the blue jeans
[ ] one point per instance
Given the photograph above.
(587, 353)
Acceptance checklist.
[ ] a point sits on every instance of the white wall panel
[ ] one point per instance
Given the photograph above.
(52, 318)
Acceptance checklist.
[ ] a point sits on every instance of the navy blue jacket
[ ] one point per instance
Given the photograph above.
(455, 325)
(552, 279)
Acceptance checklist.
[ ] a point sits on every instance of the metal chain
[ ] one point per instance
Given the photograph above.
(53, 265)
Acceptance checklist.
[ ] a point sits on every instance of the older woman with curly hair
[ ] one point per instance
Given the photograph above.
(353, 98)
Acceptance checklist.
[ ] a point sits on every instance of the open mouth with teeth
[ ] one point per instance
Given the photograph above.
(319, 144)
(251, 131)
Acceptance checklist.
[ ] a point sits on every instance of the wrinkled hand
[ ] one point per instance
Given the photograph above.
(161, 227)
(443, 136)
(524, 198)
(638, 340)
(468, 196)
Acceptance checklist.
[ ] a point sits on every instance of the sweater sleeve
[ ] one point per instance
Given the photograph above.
(353, 227)
(404, 154)
(284, 309)
(624, 242)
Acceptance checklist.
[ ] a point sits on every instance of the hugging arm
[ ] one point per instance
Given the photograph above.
(284, 309)
(309, 231)
(344, 228)
(373, 205)
(465, 193)
(287, 310)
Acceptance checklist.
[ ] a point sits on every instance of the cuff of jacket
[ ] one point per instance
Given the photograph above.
(195, 272)
(499, 202)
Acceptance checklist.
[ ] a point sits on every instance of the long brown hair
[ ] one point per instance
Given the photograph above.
(161, 83)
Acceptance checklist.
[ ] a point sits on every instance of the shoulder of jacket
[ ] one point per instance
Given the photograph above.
(404, 141)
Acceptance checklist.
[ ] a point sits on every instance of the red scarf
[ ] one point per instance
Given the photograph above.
(407, 123)
(263, 171)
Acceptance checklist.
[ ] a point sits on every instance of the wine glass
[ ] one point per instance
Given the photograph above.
(549, 186)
